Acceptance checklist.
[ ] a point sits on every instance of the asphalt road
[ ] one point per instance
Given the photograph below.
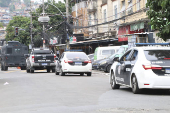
(42, 92)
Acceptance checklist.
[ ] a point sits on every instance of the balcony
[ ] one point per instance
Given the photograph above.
(92, 7)
(123, 13)
(104, 2)
(129, 11)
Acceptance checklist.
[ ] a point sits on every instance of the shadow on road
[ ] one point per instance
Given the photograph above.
(149, 91)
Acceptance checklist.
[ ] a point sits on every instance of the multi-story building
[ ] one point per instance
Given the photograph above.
(80, 19)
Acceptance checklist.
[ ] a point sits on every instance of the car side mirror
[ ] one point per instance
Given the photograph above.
(26, 55)
(116, 59)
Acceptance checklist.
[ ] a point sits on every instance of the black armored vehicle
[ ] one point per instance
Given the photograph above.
(12, 55)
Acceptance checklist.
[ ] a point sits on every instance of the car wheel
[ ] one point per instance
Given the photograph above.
(5, 68)
(2, 69)
(48, 70)
(53, 70)
(88, 74)
(108, 68)
(113, 82)
(32, 70)
(81, 74)
(61, 73)
(56, 73)
(27, 70)
(135, 87)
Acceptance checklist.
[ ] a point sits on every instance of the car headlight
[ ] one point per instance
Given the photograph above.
(104, 62)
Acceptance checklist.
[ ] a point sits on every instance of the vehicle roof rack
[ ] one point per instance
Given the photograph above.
(153, 44)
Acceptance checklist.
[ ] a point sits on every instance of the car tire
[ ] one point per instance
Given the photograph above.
(56, 73)
(108, 68)
(113, 82)
(27, 70)
(89, 74)
(53, 70)
(48, 70)
(5, 68)
(81, 74)
(23, 68)
(61, 73)
(32, 70)
(2, 69)
(135, 87)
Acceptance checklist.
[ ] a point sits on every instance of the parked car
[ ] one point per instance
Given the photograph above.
(39, 59)
(142, 68)
(73, 62)
(95, 64)
(91, 57)
(105, 64)
(104, 52)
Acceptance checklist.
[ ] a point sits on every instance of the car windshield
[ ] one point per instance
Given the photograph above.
(76, 56)
(112, 56)
(108, 52)
(157, 54)
(121, 50)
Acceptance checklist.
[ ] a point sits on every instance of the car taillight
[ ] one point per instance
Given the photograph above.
(68, 61)
(146, 67)
(87, 61)
(54, 58)
(32, 58)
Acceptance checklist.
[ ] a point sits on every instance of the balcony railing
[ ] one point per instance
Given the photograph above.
(92, 7)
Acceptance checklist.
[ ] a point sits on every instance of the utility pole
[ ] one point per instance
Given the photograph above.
(31, 23)
(67, 20)
(43, 27)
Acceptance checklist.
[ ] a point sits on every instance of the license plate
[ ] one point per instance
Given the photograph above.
(44, 64)
(167, 70)
(78, 63)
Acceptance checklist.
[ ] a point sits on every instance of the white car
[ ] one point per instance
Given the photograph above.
(142, 68)
(73, 62)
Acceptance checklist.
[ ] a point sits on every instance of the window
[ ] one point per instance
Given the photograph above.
(17, 50)
(134, 55)
(107, 52)
(9, 50)
(125, 57)
(123, 12)
(157, 54)
(105, 19)
(77, 56)
(89, 19)
(138, 4)
(95, 18)
(115, 8)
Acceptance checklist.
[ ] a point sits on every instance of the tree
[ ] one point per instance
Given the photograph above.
(1, 24)
(159, 14)
(24, 33)
(27, 2)
(4, 3)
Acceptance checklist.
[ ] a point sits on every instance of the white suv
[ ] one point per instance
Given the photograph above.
(142, 67)
(73, 62)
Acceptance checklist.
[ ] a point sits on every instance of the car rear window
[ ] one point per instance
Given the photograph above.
(75, 56)
(42, 52)
(108, 52)
(157, 54)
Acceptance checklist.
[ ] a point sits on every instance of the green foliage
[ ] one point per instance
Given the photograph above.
(37, 31)
(27, 2)
(1, 24)
(159, 14)
(12, 8)
(24, 34)
(4, 3)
